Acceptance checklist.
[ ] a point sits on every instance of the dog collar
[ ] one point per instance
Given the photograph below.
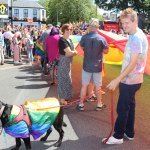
(1, 110)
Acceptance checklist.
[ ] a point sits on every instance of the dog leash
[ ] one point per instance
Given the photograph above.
(111, 109)
(112, 116)
(63, 105)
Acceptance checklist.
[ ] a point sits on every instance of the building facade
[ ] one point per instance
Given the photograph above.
(22, 13)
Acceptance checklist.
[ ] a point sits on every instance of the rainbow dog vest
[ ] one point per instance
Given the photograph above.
(42, 114)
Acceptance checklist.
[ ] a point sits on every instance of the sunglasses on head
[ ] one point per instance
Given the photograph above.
(93, 25)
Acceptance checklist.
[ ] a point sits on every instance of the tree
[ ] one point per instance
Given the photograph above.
(68, 11)
(139, 5)
(147, 4)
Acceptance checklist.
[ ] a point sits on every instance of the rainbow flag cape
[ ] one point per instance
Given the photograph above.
(42, 114)
(39, 50)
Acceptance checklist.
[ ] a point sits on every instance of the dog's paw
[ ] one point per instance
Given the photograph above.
(64, 124)
(15, 148)
(43, 139)
(53, 83)
(57, 144)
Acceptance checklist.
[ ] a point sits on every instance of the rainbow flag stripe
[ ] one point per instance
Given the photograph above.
(19, 129)
(39, 50)
(42, 114)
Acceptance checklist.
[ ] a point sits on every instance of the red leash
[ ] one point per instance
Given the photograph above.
(62, 105)
(112, 117)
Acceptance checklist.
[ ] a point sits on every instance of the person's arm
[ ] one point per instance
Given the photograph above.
(114, 83)
(69, 52)
(105, 46)
(41, 39)
(46, 45)
(106, 51)
(3, 43)
(82, 43)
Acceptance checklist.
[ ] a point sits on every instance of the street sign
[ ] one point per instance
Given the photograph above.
(3, 11)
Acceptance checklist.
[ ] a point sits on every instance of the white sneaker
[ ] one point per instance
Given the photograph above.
(113, 140)
(129, 138)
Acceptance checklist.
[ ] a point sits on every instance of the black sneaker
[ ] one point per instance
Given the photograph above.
(80, 107)
(129, 138)
(91, 99)
(98, 108)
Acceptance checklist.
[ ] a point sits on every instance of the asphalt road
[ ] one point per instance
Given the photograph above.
(84, 130)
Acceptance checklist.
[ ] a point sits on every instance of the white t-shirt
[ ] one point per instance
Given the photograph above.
(137, 43)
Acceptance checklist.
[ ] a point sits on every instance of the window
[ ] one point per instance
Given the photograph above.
(16, 12)
(34, 12)
(25, 12)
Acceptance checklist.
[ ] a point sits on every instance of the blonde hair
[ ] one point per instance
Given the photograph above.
(129, 12)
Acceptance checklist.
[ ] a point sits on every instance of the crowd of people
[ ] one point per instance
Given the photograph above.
(18, 40)
(58, 46)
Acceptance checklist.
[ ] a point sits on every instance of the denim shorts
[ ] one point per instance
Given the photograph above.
(87, 77)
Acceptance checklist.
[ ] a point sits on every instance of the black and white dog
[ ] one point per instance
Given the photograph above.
(5, 111)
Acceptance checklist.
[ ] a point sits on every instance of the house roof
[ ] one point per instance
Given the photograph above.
(3, 1)
(23, 4)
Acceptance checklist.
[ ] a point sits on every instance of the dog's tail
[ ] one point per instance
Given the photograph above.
(64, 124)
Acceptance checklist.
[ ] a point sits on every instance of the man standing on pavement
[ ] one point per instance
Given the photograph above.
(8, 38)
(130, 78)
(93, 46)
(43, 37)
(1, 48)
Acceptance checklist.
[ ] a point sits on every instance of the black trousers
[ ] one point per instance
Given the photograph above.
(126, 110)
(8, 50)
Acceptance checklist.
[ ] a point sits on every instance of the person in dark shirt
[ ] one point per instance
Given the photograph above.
(93, 46)
(67, 51)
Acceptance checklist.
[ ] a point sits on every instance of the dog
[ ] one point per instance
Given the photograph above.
(26, 120)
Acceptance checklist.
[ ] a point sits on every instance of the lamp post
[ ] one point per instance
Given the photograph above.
(58, 14)
(57, 17)
(11, 15)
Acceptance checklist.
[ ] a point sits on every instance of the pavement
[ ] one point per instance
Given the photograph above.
(91, 126)
(8, 63)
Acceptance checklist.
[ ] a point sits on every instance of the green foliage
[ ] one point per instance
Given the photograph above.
(69, 10)
(139, 5)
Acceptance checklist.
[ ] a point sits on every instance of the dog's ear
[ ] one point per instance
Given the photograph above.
(1, 103)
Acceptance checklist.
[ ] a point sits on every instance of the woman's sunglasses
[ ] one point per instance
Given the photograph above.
(69, 29)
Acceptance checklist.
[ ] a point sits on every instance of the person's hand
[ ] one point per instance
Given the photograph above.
(75, 52)
(113, 84)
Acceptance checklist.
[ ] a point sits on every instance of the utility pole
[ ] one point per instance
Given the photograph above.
(57, 17)
(11, 14)
(96, 10)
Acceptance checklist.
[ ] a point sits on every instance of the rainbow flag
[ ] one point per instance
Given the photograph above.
(42, 115)
(19, 129)
(39, 50)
